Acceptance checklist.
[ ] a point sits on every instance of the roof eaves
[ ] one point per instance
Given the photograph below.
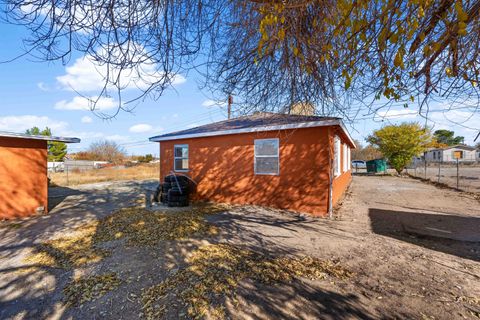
(298, 125)
(37, 137)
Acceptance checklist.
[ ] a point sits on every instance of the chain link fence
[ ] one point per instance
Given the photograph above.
(463, 174)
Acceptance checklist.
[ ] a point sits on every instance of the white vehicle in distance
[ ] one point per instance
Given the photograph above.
(359, 164)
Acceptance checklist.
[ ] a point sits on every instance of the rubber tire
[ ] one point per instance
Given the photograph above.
(182, 180)
(177, 198)
(164, 198)
(176, 192)
(178, 204)
(182, 191)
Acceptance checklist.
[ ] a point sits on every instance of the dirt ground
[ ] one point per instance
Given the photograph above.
(414, 251)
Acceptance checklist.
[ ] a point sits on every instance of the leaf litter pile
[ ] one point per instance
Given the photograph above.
(68, 252)
(89, 288)
(214, 272)
(139, 226)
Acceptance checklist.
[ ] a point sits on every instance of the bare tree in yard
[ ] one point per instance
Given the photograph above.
(365, 153)
(340, 56)
(103, 150)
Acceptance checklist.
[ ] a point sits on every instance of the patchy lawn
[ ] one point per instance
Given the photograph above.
(99, 255)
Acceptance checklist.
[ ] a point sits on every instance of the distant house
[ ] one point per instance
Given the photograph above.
(23, 174)
(294, 162)
(448, 154)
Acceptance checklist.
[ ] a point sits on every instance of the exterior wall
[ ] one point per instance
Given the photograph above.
(223, 167)
(23, 173)
(446, 155)
(340, 183)
(468, 155)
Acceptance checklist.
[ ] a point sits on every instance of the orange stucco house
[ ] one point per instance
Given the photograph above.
(293, 162)
(23, 174)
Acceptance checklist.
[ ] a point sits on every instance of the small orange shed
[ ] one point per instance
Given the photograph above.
(293, 162)
(23, 174)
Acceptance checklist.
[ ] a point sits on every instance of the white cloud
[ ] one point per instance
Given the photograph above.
(141, 128)
(398, 114)
(209, 103)
(118, 138)
(86, 75)
(22, 123)
(464, 122)
(86, 119)
(42, 86)
(83, 103)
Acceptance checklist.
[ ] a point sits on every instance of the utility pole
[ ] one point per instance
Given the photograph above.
(230, 101)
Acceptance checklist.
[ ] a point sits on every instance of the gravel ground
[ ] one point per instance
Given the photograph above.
(413, 248)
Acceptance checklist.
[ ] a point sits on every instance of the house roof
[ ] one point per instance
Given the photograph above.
(257, 122)
(458, 146)
(5, 134)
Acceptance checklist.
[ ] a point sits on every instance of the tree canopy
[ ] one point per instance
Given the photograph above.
(447, 137)
(271, 54)
(103, 150)
(56, 150)
(400, 143)
(365, 153)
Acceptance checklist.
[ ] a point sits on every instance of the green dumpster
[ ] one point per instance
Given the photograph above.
(377, 165)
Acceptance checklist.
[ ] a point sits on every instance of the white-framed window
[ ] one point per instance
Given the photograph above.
(349, 158)
(180, 157)
(345, 157)
(266, 154)
(336, 159)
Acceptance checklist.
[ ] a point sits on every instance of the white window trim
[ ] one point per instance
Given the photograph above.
(255, 156)
(345, 158)
(337, 148)
(349, 158)
(175, 158)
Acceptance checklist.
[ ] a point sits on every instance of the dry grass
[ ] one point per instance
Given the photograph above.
(90, 288)
(140, 172)
(214, 273)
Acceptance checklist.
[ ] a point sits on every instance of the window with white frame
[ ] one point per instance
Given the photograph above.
(345, 157)
(180, 157)
(337, 161)
(266, 153)
(349, 158)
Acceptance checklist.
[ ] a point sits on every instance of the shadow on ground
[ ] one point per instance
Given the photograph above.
(297, 300)
(56, 195)
(24, 292)
(452, 234)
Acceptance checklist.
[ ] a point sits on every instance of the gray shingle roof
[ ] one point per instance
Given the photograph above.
(35, 137)
(256, 120)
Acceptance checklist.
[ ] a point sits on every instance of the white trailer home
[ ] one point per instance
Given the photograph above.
(450, 154)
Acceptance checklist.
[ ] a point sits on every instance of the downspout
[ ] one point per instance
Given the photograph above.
(330, 184)
(159, 162)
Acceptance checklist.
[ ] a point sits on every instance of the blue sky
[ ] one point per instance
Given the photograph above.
(39, 93)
